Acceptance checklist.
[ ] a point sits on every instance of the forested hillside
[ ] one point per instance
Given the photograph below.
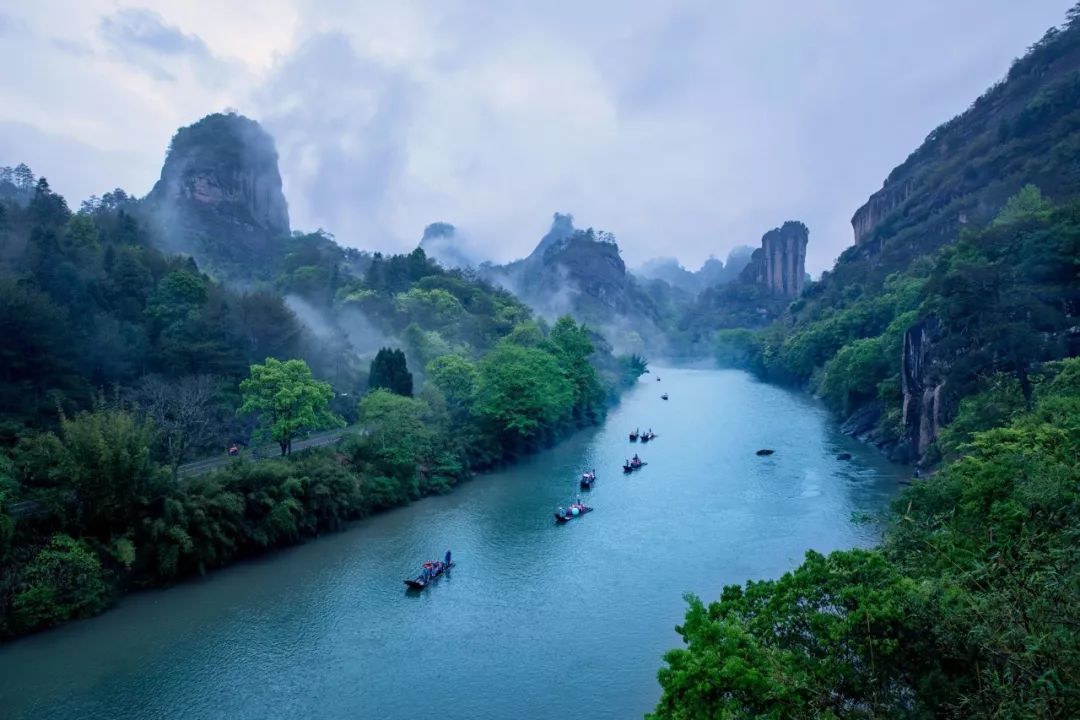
(950, 279)
(122, 361)
(948, 336)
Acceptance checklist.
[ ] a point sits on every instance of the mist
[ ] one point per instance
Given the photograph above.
(685, 129)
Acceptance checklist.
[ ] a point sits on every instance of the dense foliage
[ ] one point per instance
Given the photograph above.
(1001, 299)
(119, 363)
(287, 400)
(963, 295)
(390, 370)
(967, 610)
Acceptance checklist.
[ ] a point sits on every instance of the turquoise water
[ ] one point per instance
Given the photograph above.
(536, 621)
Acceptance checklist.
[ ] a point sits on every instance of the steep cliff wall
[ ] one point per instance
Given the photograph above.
(581, 273)
(219, 197)
(1022, 130)
(922, 382)
(780, 263)
(878, 207)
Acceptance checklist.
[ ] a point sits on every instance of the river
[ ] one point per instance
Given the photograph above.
(536, 620)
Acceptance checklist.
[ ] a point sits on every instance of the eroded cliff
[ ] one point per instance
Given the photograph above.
(219, 197)
(780, 263)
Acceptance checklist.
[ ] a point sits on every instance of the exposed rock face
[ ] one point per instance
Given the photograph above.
(219, 197)
(581, 273)
(780, 263)
(878, 207)
(922, 383)
(567, 267)
(562, 227)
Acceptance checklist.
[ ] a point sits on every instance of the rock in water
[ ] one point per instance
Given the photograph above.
(219, 197)
(844, 456)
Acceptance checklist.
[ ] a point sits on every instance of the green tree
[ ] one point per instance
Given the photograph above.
(287, 400)
(523, 390)
(967, 610)
(389, 370)
(573, 348)
(64, 580)
(456, 377)
(107, 462)
(828, 640)
(1028, 204)
(852, 375)
(398, 434)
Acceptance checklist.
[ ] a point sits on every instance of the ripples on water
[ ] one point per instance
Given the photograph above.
(536, 621)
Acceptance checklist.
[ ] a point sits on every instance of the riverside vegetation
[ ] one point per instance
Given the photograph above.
(969, 607)
(120, 362)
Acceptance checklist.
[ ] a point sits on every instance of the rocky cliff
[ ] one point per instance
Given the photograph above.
(922, 382)
(878, 207)
(779, 265)
(1022, 130)
(581, 273)
(219, 197)
(570, 270)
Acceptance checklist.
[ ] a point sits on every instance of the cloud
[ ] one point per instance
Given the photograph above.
(72, 47)
(7, 23)
(684, 128)
(142, 38)
(341, 123)
(72, 167)
(145, 29)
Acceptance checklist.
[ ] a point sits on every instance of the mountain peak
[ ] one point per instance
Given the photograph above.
(219, 194)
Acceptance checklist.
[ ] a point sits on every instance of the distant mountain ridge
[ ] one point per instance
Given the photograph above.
(712, 272)
(581, 273)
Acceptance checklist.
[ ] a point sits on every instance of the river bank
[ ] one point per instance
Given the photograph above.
(536, 618)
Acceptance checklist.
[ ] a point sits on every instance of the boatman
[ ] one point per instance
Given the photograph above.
(447, 558)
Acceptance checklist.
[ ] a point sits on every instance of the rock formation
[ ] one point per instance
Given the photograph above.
(780, 263)
(922, 384)
(567, 268)
(219, 197)
(581, 273)
(878, 207)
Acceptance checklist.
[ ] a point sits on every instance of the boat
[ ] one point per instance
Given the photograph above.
(575, 510)
(765, 451)
(419, 582)
(588, 479)
(635, 464)
(634, 436)
(646, 437)
(664, 396)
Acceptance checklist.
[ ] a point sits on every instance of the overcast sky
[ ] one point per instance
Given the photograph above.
(684, 128)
